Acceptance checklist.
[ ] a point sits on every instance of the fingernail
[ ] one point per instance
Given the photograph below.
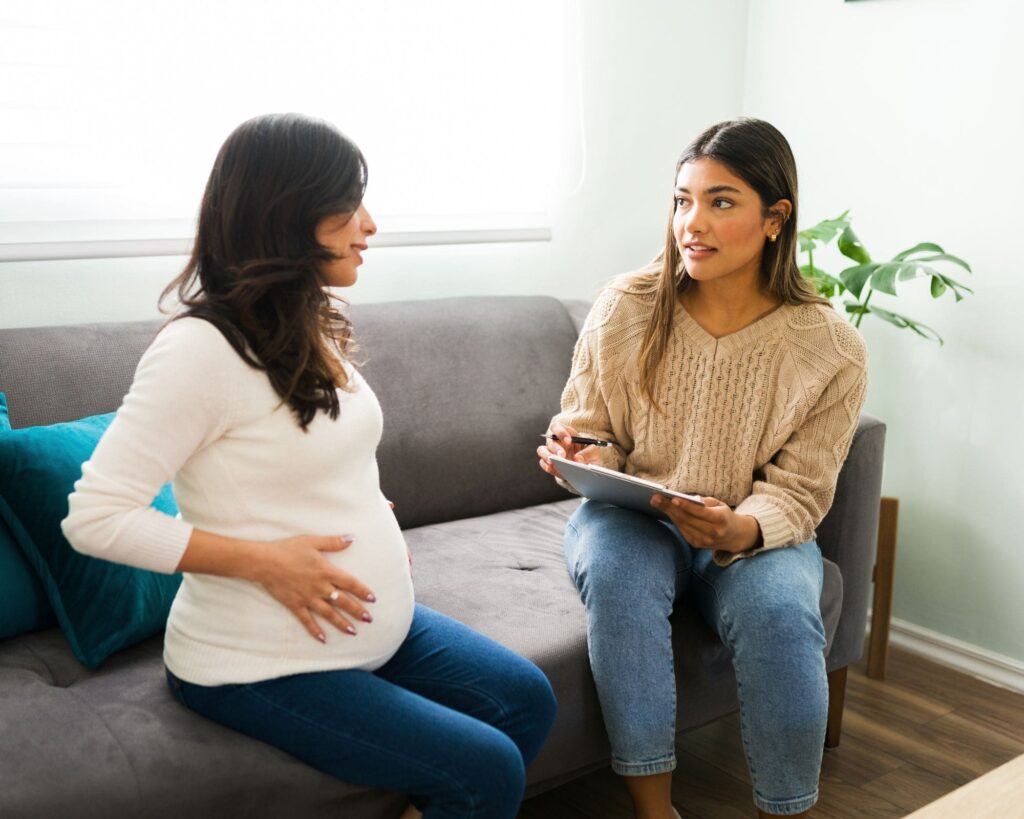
(366, 617)
(371, 598)
(321, 638)
(350, 630)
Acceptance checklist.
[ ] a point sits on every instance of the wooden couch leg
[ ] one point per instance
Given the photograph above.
(836, 696)
(881, 607)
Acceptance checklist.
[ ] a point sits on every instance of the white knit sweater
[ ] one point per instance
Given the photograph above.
(761, 419)
(242, 467)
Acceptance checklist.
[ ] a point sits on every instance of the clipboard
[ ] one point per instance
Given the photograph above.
(608, 486)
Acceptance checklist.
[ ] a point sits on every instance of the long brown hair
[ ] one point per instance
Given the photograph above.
(254, 272)
(759, 154)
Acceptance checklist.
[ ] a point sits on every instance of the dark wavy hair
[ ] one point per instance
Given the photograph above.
(759, 154)
(255, 267)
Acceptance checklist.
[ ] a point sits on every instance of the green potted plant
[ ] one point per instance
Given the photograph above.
(854, 286)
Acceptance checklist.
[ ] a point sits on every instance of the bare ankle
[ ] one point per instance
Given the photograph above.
(652, 796)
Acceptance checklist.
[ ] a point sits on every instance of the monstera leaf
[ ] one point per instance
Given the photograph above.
(855, 285)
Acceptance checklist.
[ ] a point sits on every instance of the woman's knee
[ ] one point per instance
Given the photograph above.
(780, 621)
(772, 596)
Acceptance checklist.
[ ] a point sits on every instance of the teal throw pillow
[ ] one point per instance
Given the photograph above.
(102, 607)
(23, 603)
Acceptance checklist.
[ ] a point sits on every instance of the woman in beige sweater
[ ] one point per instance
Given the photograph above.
(717, 371)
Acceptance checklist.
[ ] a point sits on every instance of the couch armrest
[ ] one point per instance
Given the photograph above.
(849, 533)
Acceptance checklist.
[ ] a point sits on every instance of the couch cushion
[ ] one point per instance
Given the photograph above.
(101, 606)
(114, 744)
(23, 603)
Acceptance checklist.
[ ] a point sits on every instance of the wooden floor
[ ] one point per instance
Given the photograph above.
(921, 733)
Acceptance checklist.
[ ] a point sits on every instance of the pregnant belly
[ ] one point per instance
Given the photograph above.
(240, 616)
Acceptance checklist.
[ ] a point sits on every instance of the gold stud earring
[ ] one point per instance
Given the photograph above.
(772, 237)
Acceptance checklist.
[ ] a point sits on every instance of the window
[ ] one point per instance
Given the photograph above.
(111, 112)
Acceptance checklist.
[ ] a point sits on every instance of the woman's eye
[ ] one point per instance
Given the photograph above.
(681, 203)
(723, 203)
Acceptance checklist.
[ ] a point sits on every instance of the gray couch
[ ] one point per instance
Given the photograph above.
(466, 385)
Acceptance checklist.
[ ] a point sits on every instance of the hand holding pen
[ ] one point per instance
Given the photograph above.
(564, 441)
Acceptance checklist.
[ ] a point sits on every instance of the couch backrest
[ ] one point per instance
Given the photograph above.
(53, 374)
(466, 385)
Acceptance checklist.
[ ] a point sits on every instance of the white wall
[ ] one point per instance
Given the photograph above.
(632, 65)
(911, 114)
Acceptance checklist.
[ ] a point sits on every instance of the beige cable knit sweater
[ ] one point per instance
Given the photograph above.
(761, 419)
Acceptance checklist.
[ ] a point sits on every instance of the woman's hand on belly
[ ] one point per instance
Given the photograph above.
(297, 574)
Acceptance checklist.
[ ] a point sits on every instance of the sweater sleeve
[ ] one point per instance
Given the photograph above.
(590, 400)
(794, 491)
(179, 402)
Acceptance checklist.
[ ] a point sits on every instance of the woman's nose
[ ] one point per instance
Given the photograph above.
(693, 220)
(366, 223)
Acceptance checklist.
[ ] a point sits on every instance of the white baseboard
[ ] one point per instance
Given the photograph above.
(986, 665)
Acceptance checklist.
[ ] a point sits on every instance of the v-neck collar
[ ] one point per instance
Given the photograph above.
(735, 341)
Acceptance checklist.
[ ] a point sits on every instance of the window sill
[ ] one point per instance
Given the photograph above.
(179, 243)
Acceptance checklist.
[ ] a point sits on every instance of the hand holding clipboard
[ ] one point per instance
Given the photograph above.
(705, 522)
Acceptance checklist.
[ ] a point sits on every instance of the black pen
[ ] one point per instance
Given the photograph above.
(578, 439)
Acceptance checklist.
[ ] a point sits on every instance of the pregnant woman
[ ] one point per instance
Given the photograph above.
(296, 622)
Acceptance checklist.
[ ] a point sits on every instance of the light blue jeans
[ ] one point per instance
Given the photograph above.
(631, 569)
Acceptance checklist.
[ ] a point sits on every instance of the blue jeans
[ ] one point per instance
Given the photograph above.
(631, 569)
(452, 719)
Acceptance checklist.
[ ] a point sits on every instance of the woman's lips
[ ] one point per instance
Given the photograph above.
(696, 253)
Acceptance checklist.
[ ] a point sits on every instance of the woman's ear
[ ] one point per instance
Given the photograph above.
(778, 215)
